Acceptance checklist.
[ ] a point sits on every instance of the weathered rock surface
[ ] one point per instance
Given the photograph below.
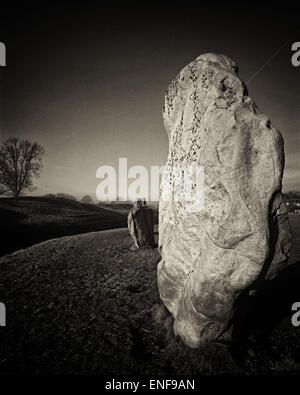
(141, 226)
(242, 234)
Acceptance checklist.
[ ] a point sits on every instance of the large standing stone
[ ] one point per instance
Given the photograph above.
(141, 225)
(242, 233)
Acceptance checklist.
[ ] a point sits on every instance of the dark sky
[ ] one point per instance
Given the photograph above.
(88, 81)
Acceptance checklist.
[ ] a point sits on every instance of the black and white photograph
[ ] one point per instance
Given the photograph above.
(150, 191)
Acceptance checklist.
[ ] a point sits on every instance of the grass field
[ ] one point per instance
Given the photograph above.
(30, 220)
(88, 304)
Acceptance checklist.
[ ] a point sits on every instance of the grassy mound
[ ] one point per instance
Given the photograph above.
(30, 220)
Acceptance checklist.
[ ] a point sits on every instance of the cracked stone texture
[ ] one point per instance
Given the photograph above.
(242, 235)
(141, 226)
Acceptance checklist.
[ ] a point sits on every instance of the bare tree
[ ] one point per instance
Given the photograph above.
(87, 199)
(3, 189)
(20, 161)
